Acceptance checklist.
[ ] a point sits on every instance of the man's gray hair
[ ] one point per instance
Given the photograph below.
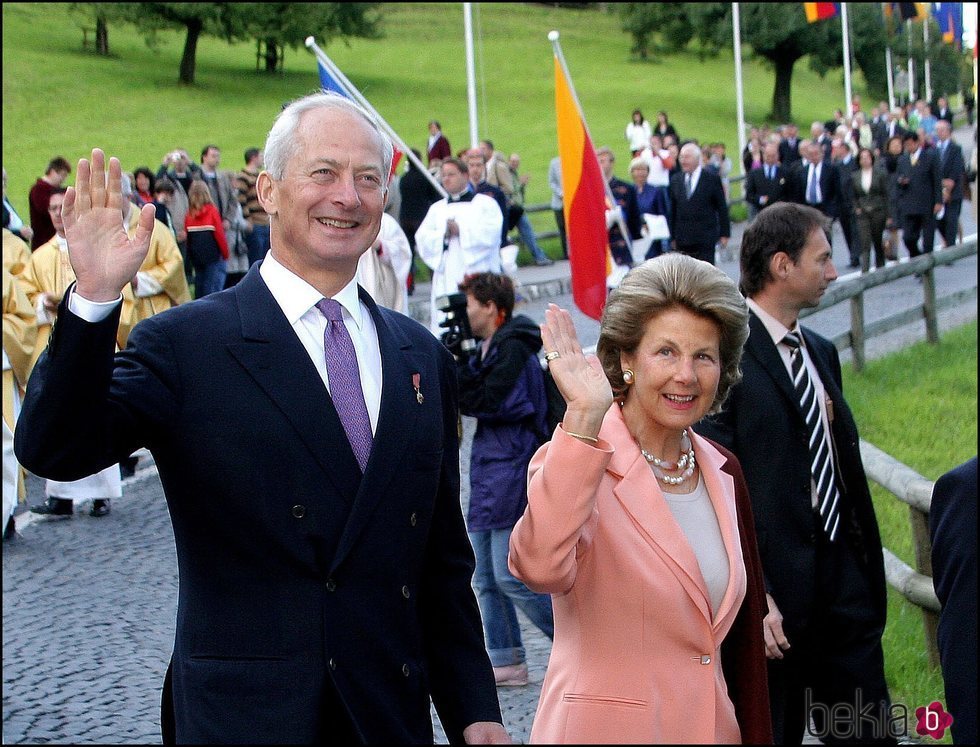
(280, 145)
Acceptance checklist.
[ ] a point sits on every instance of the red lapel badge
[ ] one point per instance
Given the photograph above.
(416, 380)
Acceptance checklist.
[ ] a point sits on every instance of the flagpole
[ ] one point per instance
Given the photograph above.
(356, 95)
(470, 74)
(620, 221)
(891, 78)
(908, 38)
(846, 35)
(739, 102)
(925, 55)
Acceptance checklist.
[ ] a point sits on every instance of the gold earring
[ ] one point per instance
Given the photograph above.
(628, 376)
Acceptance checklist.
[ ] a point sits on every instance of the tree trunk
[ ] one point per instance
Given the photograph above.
(781, 94)
(271, 56)
(187, 62)
(101, 36)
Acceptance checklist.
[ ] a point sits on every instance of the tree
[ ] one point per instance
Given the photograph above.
(776, 32)
(100, 14)
(277, 24)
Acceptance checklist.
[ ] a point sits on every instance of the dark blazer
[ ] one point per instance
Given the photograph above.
(875, 200)
(952, 166)
(703, 218)
(763, 424)
(830, 187)
(299, 577)
(625, 195)
(919, 186)
(776, 189)
(953, 530)
(789, 153)
(742, 658)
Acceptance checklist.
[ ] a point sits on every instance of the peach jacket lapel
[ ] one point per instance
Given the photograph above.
(638, 490)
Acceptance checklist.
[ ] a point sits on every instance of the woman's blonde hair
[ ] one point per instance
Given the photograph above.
(198, 196)
(673, 281)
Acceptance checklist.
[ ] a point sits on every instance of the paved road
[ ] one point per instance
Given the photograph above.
(89, 604)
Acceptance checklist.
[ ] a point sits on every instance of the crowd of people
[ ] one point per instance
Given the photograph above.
(696, 535)
(862, 171)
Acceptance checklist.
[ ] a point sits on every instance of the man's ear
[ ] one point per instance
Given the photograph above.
(267, 192)
(780, 265)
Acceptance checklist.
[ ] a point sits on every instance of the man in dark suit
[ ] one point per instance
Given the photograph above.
(953, 530)
(818, 536)
(698, 209)
(892, 127)
(624, 195)
(846, 165)
(789, 146)
(767, 184)
(942, 111)
(818, 184)
(952, 169)
(820, 133)
(324, 568)
(417, 193)
(919, 194)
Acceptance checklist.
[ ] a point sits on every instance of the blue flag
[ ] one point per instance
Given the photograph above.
(328, 82)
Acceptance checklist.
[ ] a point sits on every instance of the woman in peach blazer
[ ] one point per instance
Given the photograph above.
(637, 653)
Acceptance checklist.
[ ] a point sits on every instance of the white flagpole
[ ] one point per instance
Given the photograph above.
(470, 74)
(891, 78)
(356, 95)
(908, 38)
(846, 35)
(925, 52)
(739, 102)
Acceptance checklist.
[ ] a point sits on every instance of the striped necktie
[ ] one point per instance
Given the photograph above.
(821, 460)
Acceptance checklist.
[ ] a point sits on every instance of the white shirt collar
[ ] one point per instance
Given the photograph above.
(296, 296)
(776, 329)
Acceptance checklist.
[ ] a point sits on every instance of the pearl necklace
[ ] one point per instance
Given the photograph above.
(660, 466)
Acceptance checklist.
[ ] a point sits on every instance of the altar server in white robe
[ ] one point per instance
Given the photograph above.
(383, 270)
(460, 235)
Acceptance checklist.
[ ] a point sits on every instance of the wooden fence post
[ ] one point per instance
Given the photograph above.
(929, 304)
(923, 563)
(857, 332)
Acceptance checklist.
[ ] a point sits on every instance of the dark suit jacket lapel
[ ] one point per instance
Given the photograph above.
(760, 346)
(396, 424)
(272, 355)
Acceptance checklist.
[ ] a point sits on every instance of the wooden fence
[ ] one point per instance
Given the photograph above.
(853, 290)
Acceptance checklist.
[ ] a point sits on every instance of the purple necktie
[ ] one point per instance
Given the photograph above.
(345, 381)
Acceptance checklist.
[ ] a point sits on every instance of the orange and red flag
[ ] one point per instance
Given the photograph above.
(585, 200)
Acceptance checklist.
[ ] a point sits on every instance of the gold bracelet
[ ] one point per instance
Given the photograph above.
(590, 439)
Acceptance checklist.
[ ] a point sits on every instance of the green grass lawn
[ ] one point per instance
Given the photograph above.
(61, 99)
(918, 405)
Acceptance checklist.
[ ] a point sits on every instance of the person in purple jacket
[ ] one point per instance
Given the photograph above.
(501, 384)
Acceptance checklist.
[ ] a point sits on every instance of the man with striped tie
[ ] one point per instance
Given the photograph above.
(789, 425)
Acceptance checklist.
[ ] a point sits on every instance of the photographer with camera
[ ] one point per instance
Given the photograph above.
(501, 384)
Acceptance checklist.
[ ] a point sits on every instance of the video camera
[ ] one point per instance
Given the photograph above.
(458, 337)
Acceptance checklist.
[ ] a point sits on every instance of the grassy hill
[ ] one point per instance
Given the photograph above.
(61, 99)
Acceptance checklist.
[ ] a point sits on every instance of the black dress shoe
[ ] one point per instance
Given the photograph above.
(55, 507)
(9, 531)
(100, 508)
